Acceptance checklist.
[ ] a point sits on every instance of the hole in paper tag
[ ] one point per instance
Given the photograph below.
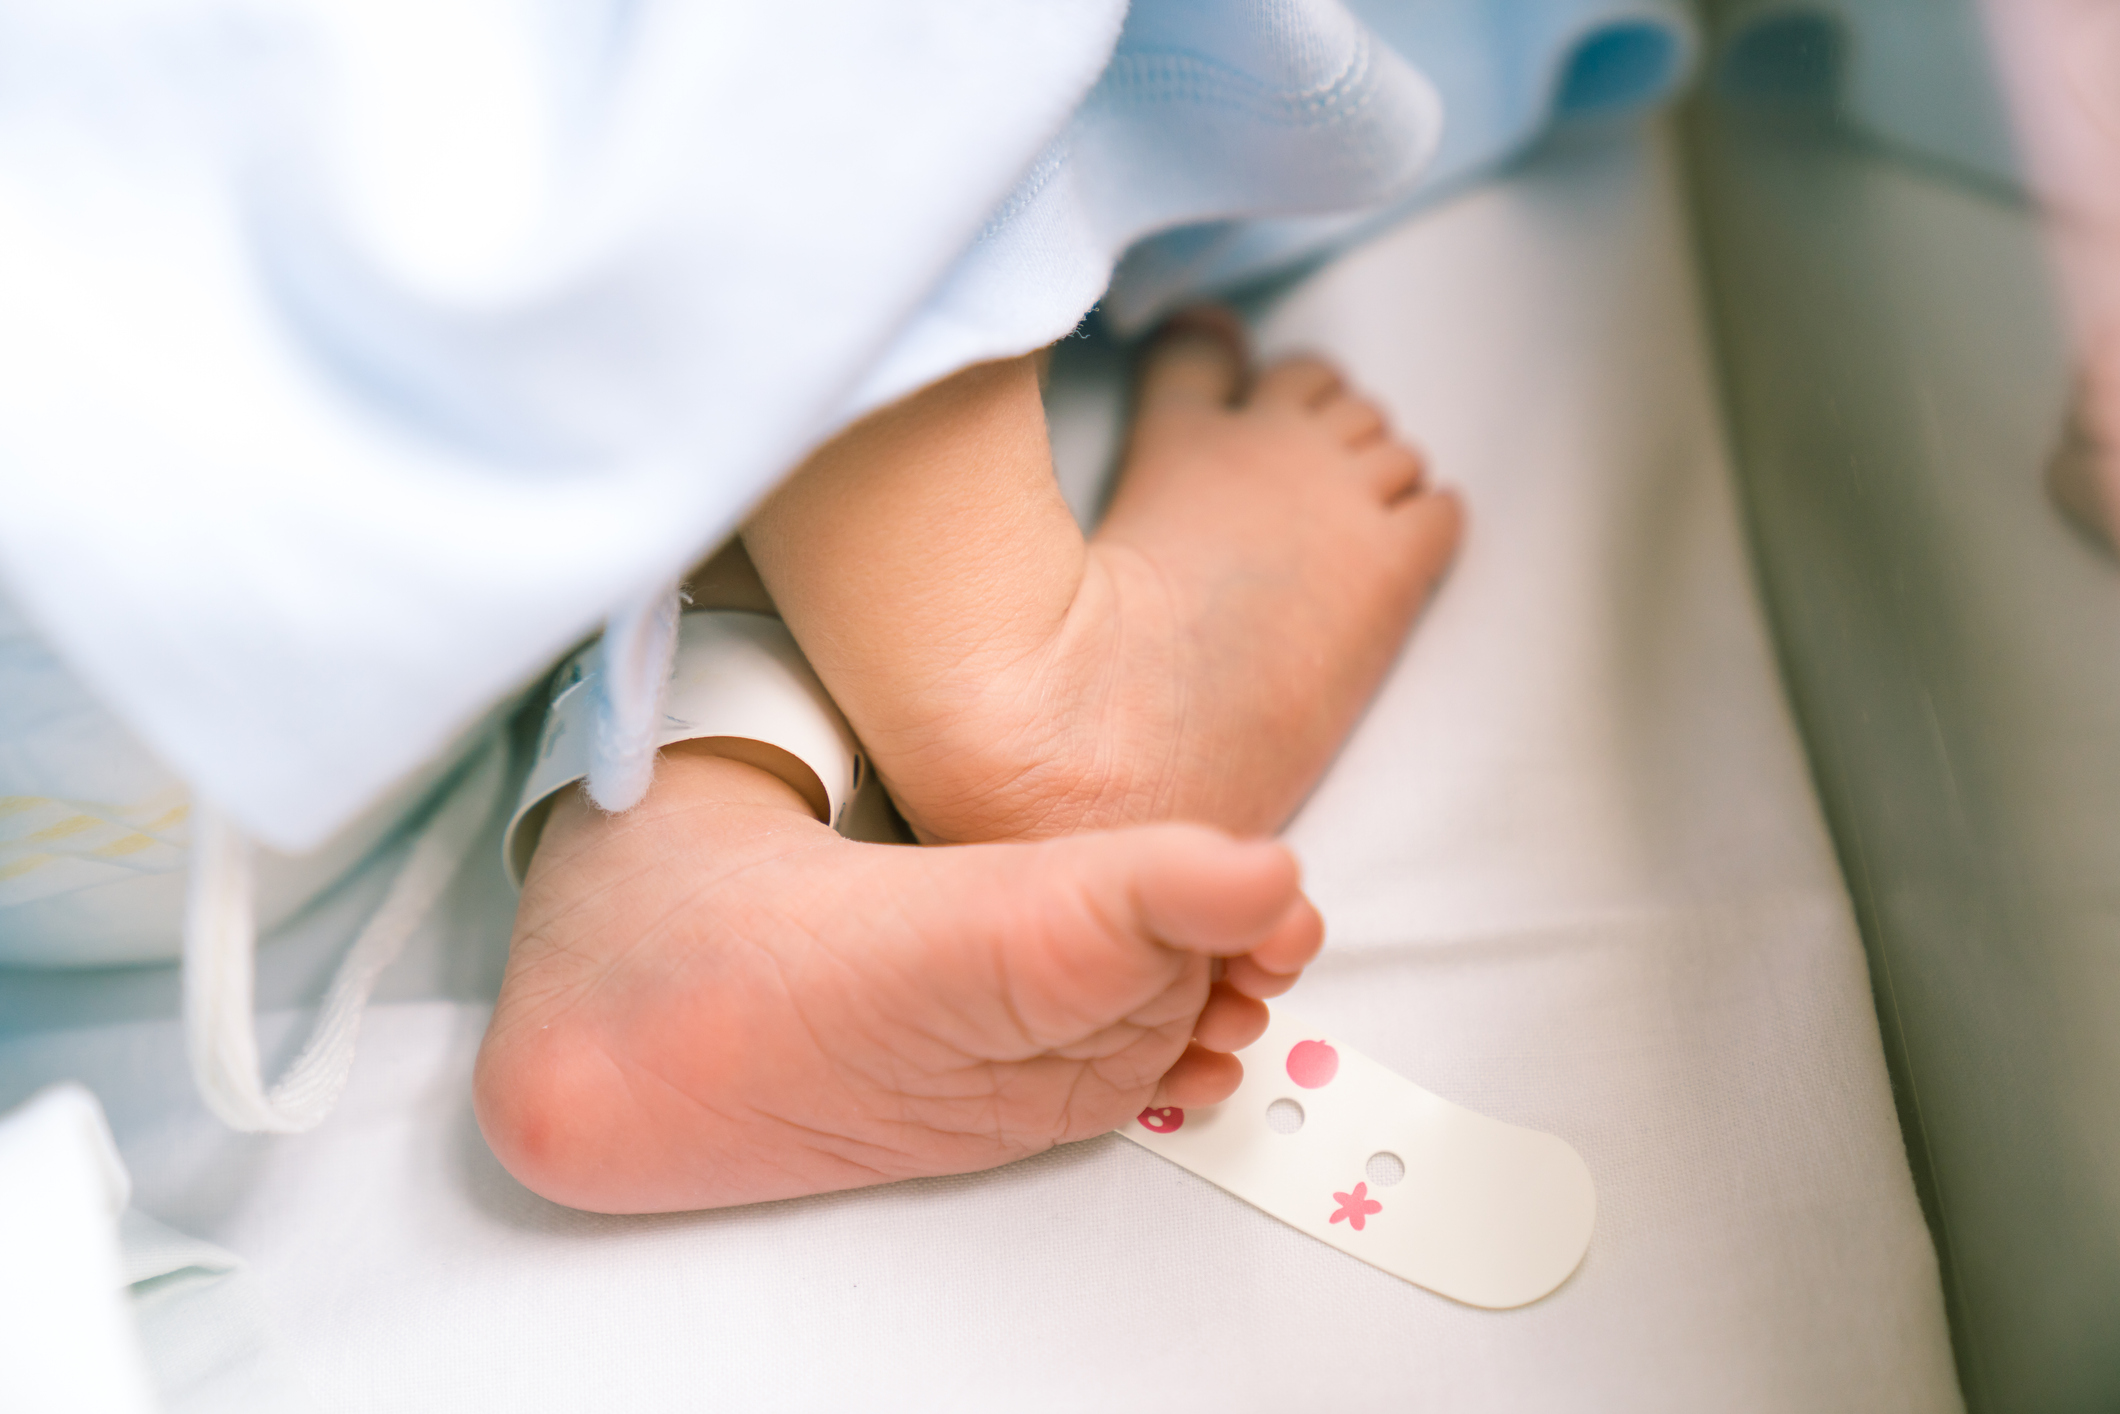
(1284, 1116)
(1385, 1168)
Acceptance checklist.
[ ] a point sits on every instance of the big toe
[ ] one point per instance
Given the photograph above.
(1196, 360)
(1199, 890)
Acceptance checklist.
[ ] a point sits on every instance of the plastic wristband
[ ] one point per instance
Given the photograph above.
(737, 676)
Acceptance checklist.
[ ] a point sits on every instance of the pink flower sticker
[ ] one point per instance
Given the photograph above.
(1161, 1121)
(1355, 1207)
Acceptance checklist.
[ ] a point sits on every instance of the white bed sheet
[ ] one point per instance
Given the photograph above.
(1574, 876)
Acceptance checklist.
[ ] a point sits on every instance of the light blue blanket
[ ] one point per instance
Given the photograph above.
(358, 356)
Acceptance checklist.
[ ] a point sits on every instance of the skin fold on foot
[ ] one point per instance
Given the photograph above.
(714, 999)
(1201, 657)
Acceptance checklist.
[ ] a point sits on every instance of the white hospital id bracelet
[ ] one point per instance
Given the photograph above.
(1332, 1143)
(736, 675)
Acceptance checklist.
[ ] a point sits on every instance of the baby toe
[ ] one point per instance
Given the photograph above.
(1354, 421)
(1303, 382)
(1200, 1077)
(1430, 524)
(1274, 963)
(1392, 470)
(1199, 890)
(1195, 360)
(1256, 982)
(1230, 1021)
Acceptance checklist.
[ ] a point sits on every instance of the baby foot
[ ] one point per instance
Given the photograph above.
(713, 999)
(1268, 548)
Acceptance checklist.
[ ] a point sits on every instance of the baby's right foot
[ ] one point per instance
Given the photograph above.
(714, 999)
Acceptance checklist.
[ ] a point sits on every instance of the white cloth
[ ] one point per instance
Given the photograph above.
(1573, 875)
(220, 967)
(102, 1306)
(359, 356)
(206, 1326)
(67, 1340)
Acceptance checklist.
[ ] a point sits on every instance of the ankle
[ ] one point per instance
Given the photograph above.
(1069, 732)
(724, 809)
(732, 771)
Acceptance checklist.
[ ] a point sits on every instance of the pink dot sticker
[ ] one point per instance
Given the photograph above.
(1162, 1121)
(1312, 1064)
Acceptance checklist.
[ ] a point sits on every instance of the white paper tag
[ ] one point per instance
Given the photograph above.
(1330, 1142)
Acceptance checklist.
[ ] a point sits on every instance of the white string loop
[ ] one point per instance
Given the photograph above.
(220, 957)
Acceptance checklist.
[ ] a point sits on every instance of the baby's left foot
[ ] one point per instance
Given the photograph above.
(1202, 659)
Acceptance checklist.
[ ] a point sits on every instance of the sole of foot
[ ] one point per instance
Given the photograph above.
(714, 1000)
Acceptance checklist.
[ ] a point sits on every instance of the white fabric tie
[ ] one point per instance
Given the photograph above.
(640, 643)
(220, 947)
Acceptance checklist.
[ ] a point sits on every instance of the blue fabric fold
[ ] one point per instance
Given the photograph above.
(1505, 73)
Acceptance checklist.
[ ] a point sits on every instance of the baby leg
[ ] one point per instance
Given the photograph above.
(1202, 657)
